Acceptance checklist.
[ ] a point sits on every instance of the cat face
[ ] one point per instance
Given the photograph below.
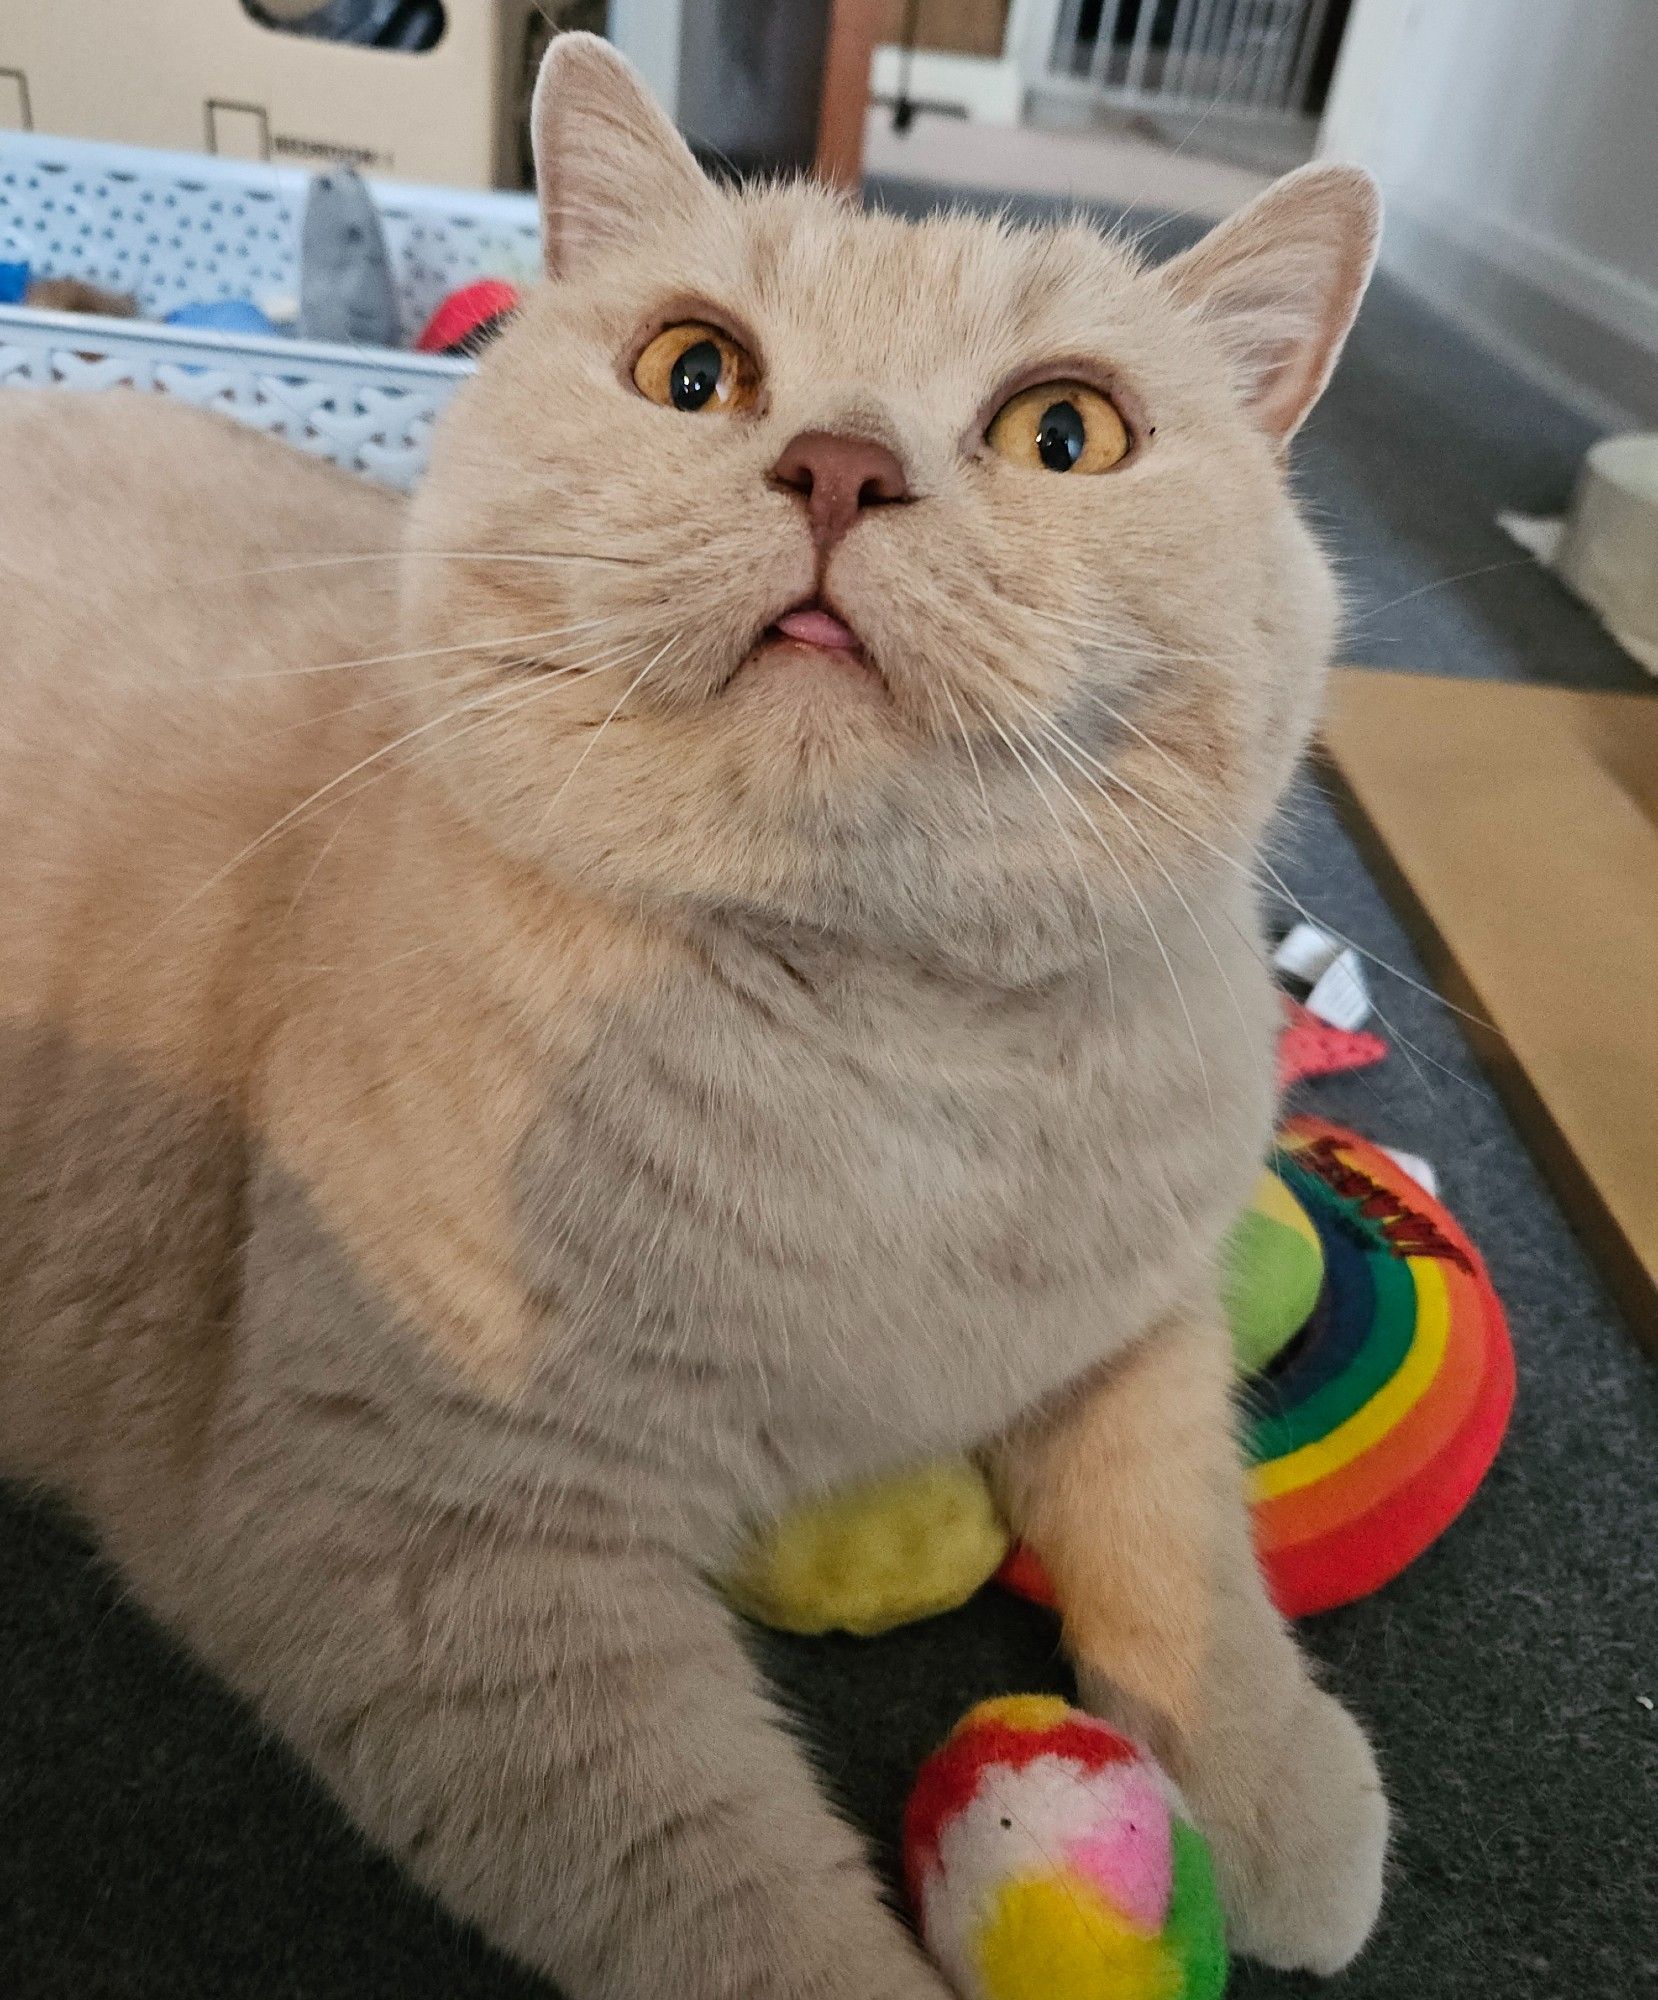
(932, 582)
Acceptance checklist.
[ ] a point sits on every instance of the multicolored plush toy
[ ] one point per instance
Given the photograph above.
(1049, 1859)
(1373, 1429)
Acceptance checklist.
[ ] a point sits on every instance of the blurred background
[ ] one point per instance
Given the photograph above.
(1514, 138)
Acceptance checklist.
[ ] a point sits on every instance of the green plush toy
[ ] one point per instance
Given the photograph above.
(920, 1542)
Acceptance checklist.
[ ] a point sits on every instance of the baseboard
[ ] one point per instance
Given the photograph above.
(1587, 333)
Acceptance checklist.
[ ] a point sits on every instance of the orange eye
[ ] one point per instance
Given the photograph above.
(1059, 427)
(697, 367)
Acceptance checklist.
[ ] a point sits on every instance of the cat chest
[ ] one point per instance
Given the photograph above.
(910, 1245)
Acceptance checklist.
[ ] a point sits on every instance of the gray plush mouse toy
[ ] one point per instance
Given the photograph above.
(345, 283)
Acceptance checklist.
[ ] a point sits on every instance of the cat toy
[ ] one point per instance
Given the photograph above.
(467, 320)
(1048, 1858)
(346, 290)
(1372, 1429)
(1376, 1374)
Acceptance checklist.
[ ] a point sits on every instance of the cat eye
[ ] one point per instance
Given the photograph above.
(1059, 427)
(694, 366)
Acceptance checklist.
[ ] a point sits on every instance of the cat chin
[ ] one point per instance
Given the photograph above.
(782, 670)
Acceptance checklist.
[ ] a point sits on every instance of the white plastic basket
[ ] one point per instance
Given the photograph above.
(175, 228)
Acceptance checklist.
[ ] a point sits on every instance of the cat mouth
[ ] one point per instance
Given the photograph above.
(814, 624)
(814, 637)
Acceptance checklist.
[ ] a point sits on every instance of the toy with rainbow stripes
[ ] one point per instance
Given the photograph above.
(1374, 1421)
(1375, 1425)
(1375, 1368)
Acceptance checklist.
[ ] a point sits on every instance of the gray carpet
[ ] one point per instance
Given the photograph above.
(156, 1847)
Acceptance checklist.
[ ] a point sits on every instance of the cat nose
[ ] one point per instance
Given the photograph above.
(838, 477)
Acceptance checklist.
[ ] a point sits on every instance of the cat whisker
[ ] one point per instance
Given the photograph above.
(1144, 648)
(296, 814)
(1062, 742)
(1075, 852)
(497, 708)
(973, 759)
(549, 558)
(397, 659)
(1145, 911)
(1357, 625)
(600, 662)
(319, 858)
(637, 682)
(1274, 883)
(400, 691)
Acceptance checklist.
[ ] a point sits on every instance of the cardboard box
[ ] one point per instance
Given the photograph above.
(1516, 830)
(203, 75)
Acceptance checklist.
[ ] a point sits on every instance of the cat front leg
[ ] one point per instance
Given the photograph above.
(565, 1743)
(1131, 1491)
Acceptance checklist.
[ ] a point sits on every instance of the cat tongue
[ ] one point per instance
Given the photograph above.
(817, 628)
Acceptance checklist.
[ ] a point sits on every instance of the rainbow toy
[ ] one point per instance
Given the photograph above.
(1374, 1426)
(1273, 1274)
(1049, 1859)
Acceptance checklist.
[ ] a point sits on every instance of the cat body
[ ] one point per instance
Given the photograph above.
(508, 1078)
(887, 1207)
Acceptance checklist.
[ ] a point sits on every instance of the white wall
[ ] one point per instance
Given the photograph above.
(1517, 141)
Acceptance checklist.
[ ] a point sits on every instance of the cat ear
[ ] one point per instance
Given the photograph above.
(607, 157)
(1280, 283)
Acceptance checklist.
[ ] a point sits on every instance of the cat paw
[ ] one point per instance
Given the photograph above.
(1300, 1870)
(1295, 1815)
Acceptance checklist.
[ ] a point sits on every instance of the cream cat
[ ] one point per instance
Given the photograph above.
(728, 964)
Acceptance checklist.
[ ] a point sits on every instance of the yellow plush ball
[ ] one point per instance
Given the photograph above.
(884, 1554)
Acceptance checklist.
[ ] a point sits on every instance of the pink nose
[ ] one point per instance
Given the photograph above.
(838, 477)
